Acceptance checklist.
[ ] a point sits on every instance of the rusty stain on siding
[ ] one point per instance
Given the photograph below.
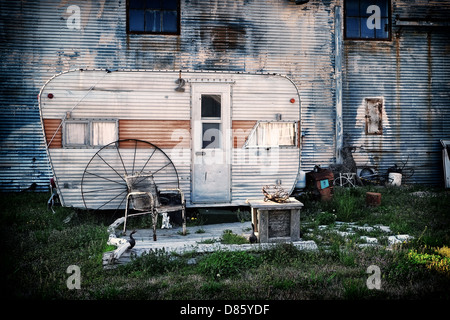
(54, 140)
(166, 134)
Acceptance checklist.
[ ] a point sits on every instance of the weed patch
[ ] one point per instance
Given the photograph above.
(228, 237)
(224, 264)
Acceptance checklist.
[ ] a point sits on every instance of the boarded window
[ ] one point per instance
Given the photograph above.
(374, 116)
(272, 134)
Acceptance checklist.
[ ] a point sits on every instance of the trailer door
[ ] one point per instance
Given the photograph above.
(211, 143)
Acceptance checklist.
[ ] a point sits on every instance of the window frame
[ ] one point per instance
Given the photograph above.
(374, 107)
(257, 125)
(89, 133)
(65, 141)
(154, 32)
(389, 19)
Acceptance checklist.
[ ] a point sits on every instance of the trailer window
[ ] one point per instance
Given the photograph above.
(89, 133)
(103, 133)
(76, 134)
(272, 134)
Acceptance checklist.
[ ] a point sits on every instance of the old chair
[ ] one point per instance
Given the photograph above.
(144, 197)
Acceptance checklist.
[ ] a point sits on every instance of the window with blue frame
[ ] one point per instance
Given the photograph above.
(153, 16)
(367, 19)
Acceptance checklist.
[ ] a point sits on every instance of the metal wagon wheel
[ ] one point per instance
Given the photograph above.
(103, 185)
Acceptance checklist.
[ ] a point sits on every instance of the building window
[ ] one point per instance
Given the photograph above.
(367, 19)
(89, 133)
(272, 134)
(153, 16)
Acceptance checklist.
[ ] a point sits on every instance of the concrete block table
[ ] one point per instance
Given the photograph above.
(275, 221)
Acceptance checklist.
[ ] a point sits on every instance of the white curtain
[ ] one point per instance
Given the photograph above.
(76, 133)
(103, 133)
(273, 134)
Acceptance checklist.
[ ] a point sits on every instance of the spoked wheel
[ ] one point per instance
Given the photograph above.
(103, 185)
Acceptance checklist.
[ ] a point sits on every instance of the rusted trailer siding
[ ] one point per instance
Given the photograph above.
(144, 105)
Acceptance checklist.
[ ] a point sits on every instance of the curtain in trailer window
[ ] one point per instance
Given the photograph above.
(76, 134)
(103, 133)
(272, 134)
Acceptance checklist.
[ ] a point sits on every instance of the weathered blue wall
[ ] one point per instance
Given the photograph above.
(411, 71)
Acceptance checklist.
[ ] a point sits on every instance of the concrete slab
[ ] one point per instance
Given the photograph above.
(172, 241)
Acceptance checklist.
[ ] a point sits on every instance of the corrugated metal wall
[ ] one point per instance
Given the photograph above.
(411, 74)
(254, 36)
(239, 35)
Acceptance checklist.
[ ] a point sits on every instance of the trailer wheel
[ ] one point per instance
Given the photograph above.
(103, 185)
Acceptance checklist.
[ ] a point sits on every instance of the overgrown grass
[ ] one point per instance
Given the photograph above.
(38, 246)
(415, 210)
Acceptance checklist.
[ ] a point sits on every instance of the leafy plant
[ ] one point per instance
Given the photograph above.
(438, 259)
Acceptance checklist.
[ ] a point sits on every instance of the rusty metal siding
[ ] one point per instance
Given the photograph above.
(273, 36)
(410, 74)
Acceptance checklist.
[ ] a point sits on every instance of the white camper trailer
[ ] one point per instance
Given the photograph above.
(218, 136)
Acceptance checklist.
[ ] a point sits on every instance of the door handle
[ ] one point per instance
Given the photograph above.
(200, 153)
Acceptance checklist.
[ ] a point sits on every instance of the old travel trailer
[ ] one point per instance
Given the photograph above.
(218, 136)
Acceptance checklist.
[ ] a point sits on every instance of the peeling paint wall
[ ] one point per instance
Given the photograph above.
(411, 75)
